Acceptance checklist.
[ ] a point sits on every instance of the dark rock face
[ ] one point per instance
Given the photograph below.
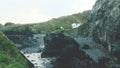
(67, 52)
(58, 44)
(27, 42)
(116, 50)
(103, 26)
(95, 51)
(19, 37)
(105, 15)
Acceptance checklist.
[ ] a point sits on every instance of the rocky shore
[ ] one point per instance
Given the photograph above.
(96, 44)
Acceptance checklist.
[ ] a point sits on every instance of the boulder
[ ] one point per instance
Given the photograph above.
(66, 51)
(58, 44)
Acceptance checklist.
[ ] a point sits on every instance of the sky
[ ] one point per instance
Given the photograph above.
(33, 11)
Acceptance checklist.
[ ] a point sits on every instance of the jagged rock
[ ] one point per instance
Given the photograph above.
(105, 15)
(95, 51)
(116, 50)
(67, 52)
(103, 26)
(58, 44)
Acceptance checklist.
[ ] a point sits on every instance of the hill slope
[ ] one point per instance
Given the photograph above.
(53, 25)
(10, 56)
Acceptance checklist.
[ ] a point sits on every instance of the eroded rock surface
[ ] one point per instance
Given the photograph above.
(67, 52)
(106, 17)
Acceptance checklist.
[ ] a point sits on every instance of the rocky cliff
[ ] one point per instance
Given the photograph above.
(96, 44)
(99, 38)
(106, 16)
(104, 26)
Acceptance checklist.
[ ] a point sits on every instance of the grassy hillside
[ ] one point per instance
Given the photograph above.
(10, 56)
(64, 21)
(52, 25)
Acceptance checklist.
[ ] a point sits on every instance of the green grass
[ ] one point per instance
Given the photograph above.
(10, 56)
(52, 25)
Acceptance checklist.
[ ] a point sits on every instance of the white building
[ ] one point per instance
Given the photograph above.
(62, 28)
(75, 25)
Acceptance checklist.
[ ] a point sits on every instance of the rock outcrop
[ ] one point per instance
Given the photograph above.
(105, 15)
(103, 31)
(97, 44)
(103, 26)
(67, 52)
(58, 44)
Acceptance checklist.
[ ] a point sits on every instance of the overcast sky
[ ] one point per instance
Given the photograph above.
(31, 11)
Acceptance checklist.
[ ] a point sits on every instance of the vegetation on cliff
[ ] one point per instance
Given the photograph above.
(10, 57)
